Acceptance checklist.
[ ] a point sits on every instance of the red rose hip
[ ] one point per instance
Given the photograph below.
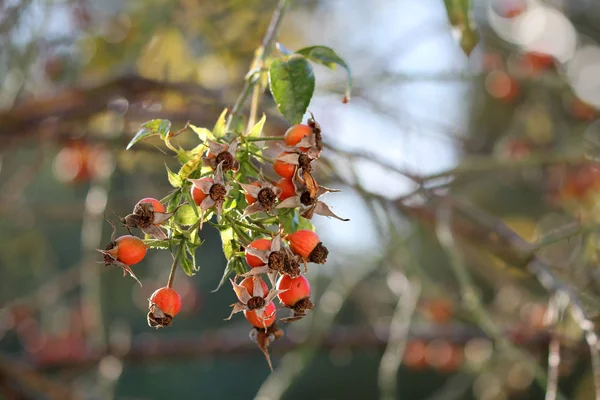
(307, 245)
(287, 189)
(295, 134)
(258, 244)
(158, 207)
(127, 249)
(164, 304)
(283, 169)
(265, 319)
(295, 295)
(197, 194)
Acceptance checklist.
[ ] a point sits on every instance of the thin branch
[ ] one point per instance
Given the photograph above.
(470, 297)
(398, 337)
(256, 66)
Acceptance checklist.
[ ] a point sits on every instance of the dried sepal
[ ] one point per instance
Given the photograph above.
(221, 153)
(145, 218)
(258, 301)
(265, 194)
(157, 318)
(264, 337)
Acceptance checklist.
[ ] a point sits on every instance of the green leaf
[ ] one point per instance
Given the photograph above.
(286, 218)
(257, 129)
(229, 269)
(228, 242)
(174, 179)
(191, 250)
(292, 84)
(459, 16)
(219, 129)
(326, 56)
(154, 127)
(304, 223)
(174, 202)
(186, 215)
(156, 244)
(187, 265)
(202, 133)
(187, 195)
(192, 165)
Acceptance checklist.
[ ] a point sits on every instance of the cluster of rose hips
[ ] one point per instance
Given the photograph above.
(276, 253)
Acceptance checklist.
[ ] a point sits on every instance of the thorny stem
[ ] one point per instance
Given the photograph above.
(261, 55)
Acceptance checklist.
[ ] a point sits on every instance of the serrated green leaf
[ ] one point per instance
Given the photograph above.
(326, 56)
(154, 127)
(191, 250)
(292, 84)
(258, 127)
(156, 244)
(186, 215)
(459, 16)
(187, 265)
(203, 133)
(229, 269)
(174, 179)
(220, 127)
(228, 242)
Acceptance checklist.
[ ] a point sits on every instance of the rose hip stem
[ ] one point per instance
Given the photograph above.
(174, 267)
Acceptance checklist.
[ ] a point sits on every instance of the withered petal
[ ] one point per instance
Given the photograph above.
(155, 231)
(307, 141)
(289, 158)
(290, 202)
(253, 209)
(233, 147)
(127, 270)
(263, 255)
(203, 184)
(160, 217)
(323, 209)
(257, 290)
(322, 190)
(237, 307)
(216, 148)
(276, 243)
(272, 294)
(241, 292)
(207, 203)
(218, 176)
(252, 190)
(256, 271)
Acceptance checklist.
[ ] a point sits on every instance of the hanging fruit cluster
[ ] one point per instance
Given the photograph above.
(264, 223)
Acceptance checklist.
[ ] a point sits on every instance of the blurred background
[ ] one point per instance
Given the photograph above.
(414, 303)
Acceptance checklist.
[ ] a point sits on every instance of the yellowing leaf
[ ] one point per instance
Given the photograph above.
(257, 129)
(219, 129)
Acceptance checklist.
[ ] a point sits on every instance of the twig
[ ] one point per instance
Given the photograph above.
(470, 297)
(261, 55)
(399, 329)
(354, 154)
(553, 364)
(548, 280)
